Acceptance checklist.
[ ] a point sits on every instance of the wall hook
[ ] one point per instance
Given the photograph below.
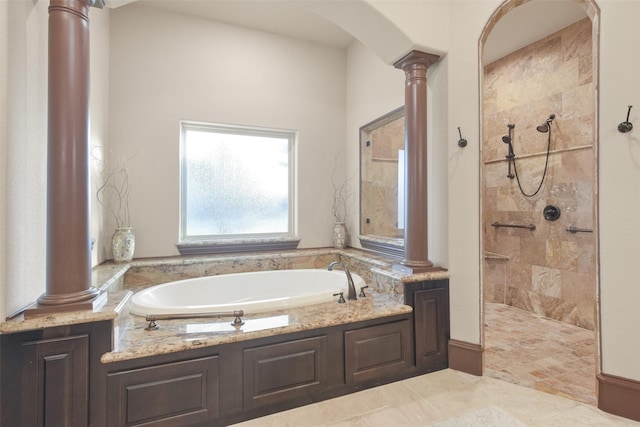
(461, 142)
(626, 126)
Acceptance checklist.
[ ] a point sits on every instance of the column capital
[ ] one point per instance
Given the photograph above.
(78, 7)
(416, 57)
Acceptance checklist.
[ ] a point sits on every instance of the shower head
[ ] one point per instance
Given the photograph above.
(507, 138)
(544, 128)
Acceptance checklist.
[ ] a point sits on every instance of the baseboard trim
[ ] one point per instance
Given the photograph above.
(619, 396)
(465, 357)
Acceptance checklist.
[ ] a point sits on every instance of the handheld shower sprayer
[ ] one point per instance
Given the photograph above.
(508, 139)
(544, 128)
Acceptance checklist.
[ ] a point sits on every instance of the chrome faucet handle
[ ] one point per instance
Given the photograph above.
(362, 294)
(341, 300)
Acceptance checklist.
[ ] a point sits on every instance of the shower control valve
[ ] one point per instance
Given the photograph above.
(551, 212)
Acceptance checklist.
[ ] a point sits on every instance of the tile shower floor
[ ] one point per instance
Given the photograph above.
(539, 353)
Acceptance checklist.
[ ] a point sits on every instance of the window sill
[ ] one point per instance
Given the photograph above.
(201, 247)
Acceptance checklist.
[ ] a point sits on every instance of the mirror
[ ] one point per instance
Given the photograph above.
(382, 184)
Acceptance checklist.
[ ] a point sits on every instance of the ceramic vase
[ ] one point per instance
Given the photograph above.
(339, 235)
(123, 244)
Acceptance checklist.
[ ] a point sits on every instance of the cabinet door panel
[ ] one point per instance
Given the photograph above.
(431, 311)
(56, 380)
(172, 394)
(286, 371)
(377, 351)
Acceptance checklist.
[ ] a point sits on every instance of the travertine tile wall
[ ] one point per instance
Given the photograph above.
(379, 179)
(549, 271)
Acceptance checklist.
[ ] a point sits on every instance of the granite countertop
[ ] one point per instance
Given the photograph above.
(115, 303)
(187, 334)
(109, 305)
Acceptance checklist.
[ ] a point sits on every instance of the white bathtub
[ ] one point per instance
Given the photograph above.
(253, 292)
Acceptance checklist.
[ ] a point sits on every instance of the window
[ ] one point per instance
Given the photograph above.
(236, 183)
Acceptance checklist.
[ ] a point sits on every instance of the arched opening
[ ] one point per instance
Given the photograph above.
(538, 73)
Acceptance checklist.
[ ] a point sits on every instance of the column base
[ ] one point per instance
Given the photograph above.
(414, 269)
(39, 309)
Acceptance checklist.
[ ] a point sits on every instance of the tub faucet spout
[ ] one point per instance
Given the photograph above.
(351, 295)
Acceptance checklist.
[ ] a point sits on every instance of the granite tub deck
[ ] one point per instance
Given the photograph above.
(179, 335)
(385, 297)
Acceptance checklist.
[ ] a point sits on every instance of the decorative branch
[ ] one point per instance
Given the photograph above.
(115, 189)
(341, 195)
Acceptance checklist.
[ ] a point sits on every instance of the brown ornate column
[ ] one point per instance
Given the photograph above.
(416, 254)
(68, 274)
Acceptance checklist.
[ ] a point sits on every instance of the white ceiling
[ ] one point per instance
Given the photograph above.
(525, 24)
(528, 23)
(273, 16)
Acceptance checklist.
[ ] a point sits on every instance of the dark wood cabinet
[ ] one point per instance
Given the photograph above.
(52, 377)
(56, 373)
(167, 395)
(378, 352)
(233, 382)
(430, 302)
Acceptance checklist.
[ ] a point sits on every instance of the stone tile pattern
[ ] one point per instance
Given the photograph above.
(549, 271)
(523, 348)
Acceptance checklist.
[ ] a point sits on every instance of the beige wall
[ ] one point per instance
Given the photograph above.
(99, 126)
(427, 24)
(168, 67)
(4, 84)
(26, 153)
(550, 271)
(619, 157)
(364, 104)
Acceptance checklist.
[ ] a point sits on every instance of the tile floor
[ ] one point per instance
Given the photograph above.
(538, 372)
(540, 353)
(445, 398)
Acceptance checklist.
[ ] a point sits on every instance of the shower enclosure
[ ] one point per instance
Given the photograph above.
(538, 238)
(531, 261)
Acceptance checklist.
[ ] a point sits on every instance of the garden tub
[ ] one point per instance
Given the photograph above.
(253, 292)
